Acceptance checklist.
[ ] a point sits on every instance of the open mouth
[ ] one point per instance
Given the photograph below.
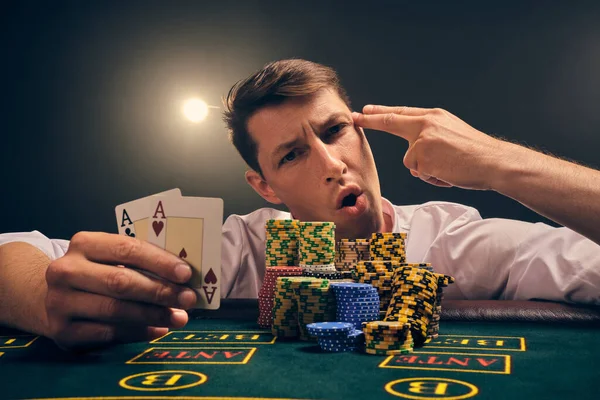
(349, 200)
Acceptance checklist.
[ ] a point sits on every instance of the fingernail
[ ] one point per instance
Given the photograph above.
(187, 298)
(355, 115)
(368, 108)
(183, 272)
(178, 316)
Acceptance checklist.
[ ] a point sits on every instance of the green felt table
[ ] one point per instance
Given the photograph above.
(230, 357)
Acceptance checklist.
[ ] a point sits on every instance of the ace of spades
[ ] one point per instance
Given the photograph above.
(190, 227)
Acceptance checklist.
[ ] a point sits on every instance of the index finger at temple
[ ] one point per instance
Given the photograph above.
(117, 249)
(403, 126)
(400, 110)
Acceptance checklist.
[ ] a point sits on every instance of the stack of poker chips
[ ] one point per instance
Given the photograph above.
(300, 301)
(348, 253)
(413, 299)
(388, 246)
(379, 274)
(387, 338)
(356, 303)
(316, 249)
(316, 303)
(281, 246)
(433, 329)
(266, 295)
(337, 336)
(285, 309)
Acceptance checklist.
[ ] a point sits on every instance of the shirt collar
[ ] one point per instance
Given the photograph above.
(388, 209)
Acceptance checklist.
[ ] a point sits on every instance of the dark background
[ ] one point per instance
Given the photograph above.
(91, 92)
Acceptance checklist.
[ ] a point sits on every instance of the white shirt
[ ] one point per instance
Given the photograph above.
(489, 258)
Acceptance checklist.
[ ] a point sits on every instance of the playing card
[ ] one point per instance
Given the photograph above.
(190, 227)
(132, 217)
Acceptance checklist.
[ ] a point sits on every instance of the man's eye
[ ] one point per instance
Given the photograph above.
(335, 129)
(288, 157)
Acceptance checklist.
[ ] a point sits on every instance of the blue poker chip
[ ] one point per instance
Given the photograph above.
(356, 317)
(338, 350)
(355, 293)
(361, 298)
(358, 300)
(367, 301)
(340, 343)
(350, 286)
(322, 329)
(338, 347)
(357, 322)
(357, 334)
(356, 314)
(352, 339)
(357, 309)
(350, 306)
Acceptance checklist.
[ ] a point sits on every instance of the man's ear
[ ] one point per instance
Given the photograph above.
(261, 187)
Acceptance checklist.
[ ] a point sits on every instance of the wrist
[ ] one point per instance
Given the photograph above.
(22, 299)
(514, 168)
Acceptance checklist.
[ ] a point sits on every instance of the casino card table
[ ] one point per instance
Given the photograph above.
(486, 350)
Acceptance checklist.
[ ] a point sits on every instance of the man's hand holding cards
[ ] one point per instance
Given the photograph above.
(188, 227)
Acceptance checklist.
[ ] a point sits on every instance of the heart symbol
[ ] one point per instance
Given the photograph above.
(210, 277)
(158, 227)
(183, 253)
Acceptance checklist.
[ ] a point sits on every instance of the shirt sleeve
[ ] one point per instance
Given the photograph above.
(513, 260)
(53, 248)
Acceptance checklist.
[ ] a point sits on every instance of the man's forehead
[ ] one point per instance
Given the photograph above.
(276, 123)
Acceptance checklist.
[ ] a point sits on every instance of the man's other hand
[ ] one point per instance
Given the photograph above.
(442, 150)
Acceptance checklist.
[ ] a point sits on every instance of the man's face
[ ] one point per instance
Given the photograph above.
(316, 162)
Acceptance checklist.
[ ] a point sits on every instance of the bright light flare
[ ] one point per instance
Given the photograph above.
(195, 110)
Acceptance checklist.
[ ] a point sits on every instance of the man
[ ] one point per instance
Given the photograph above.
(293, 125)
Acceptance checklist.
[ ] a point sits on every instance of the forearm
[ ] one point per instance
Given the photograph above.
(564, 192)
(23, 287)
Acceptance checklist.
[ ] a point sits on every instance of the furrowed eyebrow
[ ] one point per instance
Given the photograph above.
(286, 146)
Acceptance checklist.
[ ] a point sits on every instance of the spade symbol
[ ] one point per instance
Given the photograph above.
(129, 233)
(210, 277)
(183, 253)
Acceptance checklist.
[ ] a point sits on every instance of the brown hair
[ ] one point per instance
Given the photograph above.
(271, 85)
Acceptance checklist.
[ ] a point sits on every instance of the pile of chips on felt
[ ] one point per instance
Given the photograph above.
(346, 315)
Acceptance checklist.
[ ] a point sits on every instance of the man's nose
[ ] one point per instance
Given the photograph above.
(333, 166)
